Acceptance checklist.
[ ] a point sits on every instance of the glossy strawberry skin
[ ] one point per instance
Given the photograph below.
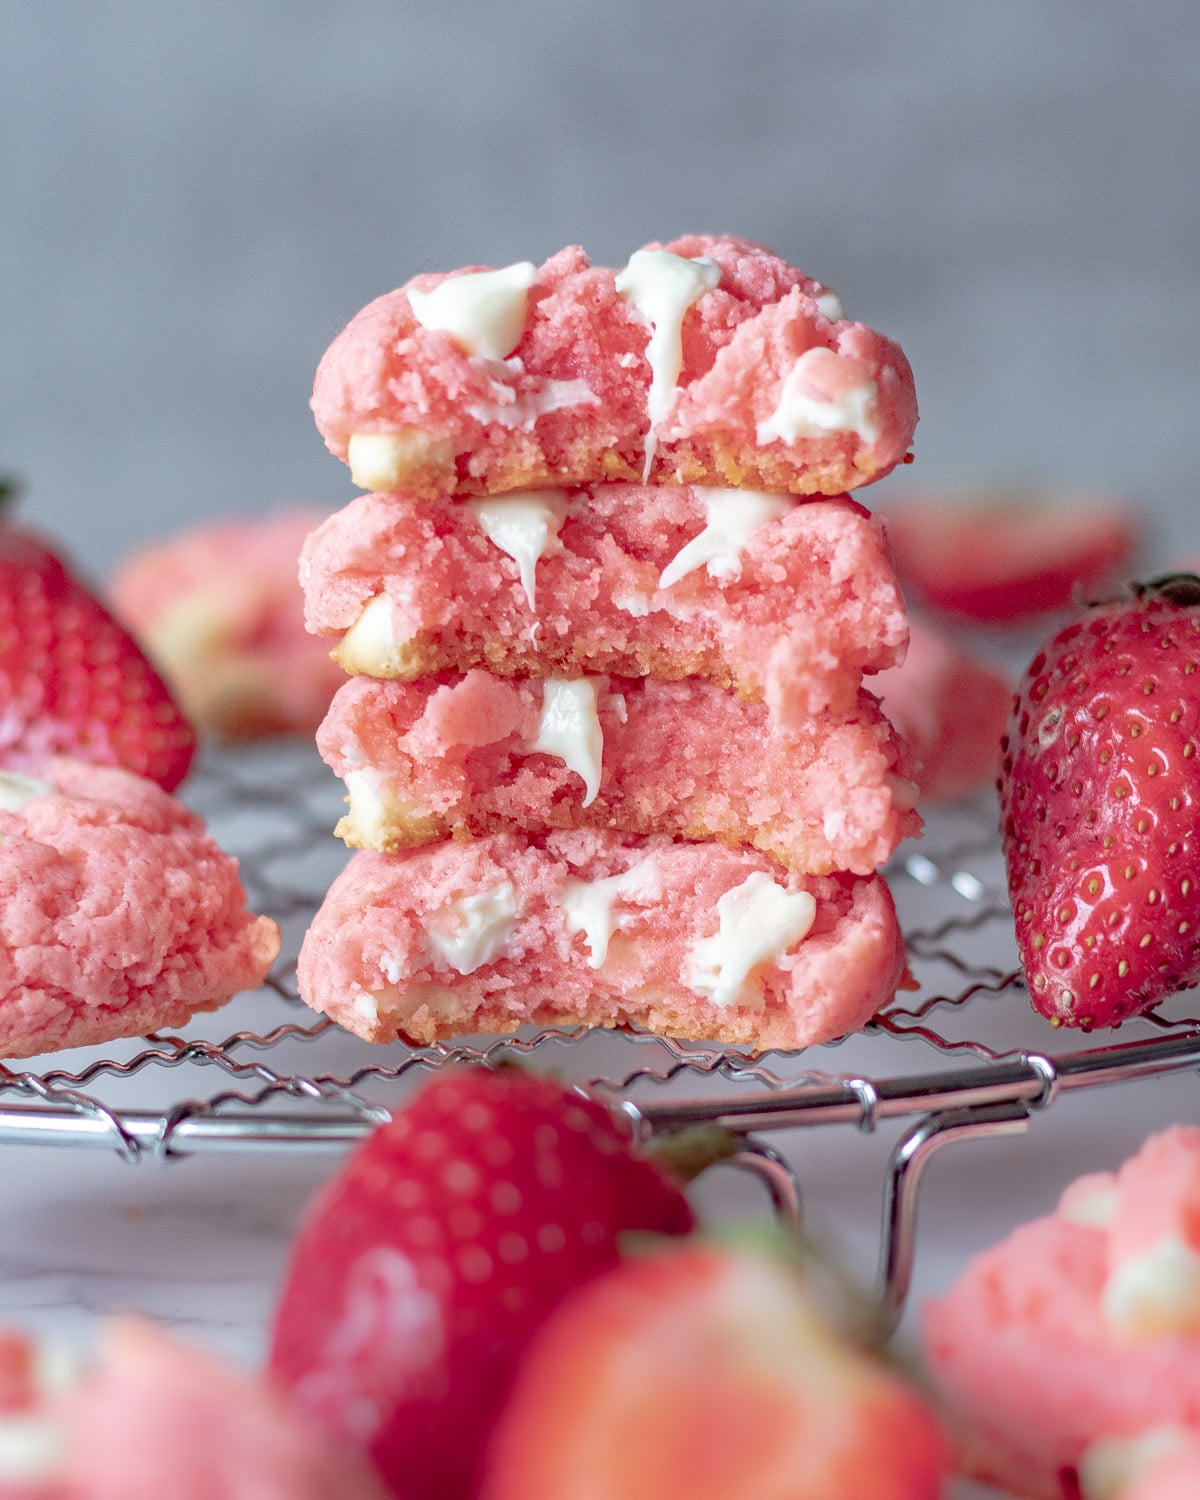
(708, 1373)
(427, 1263)
(1100, 801)
(73, 681)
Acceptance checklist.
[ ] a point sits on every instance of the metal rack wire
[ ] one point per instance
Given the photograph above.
(959, 1057)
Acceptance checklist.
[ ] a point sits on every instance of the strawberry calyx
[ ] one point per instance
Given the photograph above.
(1182, 589)
(688, 1152)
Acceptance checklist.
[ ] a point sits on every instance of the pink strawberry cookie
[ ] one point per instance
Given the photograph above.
(687, 940)
(705, 361)
(1081, 1329)
(474, 754)
(951, 707)
(118, 913)
(219, 609)
(783, 600)
(152, 1418)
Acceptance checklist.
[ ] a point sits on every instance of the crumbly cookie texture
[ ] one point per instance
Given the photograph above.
(118, 913)
(686, 940)
(788, 601)
(473, 754)
(1073, 1347)
(708, 360)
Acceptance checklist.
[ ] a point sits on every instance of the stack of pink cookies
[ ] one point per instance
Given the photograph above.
(607, 614)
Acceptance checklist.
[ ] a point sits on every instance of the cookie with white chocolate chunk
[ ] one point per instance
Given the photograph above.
(708, 360)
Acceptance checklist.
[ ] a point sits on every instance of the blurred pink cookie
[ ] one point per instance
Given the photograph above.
(705, 361)
(951, 707)
(219, 610)
(1081, 1329)
(791, 601)
(118, 913)
(687, 940)
(474, 754)
(151, 1418)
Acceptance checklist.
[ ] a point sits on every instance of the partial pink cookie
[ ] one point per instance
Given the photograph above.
(1081, 1328)
(951, 707)
(788, 600)
(118, 913)
(475, 754)
(687, 940)
(150, 1418)
(705, 361)
(219, 609)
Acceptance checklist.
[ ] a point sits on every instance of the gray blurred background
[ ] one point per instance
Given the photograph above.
(193, 199)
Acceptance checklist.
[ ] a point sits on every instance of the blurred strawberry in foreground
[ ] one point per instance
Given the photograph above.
(427, 1263)
(73, 681)
(708, 1373)
(1100, 805)
(1003, 559)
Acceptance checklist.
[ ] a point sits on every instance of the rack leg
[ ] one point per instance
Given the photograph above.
(908, 1161)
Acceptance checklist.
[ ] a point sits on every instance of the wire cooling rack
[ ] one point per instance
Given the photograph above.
(959, 1057)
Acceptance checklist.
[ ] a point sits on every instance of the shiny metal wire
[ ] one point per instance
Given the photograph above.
(958, 1056)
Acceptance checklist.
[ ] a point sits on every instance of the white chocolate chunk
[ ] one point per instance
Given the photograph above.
(513, 411)
(829, 305)
(1109, 1466)
(660, 287)
(590, 905)
(383, 461)
(731, 518)
(1157, 1292)
(368, 810)
(370, 644)
(1094, 1210)
(366, 1005)
(521, 524)
(570, 729)
(483, 312)
(33, 1444)
(16, 790)
(758, 920)
(33, 1448)
(801, 413)
(474, 930)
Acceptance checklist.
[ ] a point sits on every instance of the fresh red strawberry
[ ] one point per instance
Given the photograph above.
(707, 1373)
(427, 1263)
(1000, 559)
(1100, 800)
(73, 681)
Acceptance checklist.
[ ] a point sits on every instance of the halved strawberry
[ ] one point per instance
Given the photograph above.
(73, 681)
(708, 1373)
(1100, 804)
(428, 1262)
(1000, 559)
